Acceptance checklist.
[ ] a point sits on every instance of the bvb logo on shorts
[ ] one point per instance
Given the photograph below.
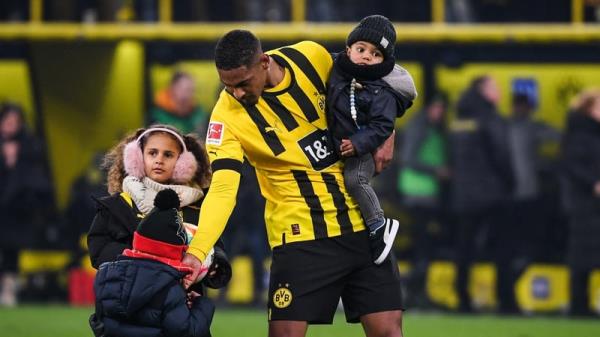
(282, 298)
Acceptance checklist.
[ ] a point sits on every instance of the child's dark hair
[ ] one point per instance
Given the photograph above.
(114, 162)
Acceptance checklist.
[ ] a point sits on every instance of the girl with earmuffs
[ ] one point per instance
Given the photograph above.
(142, 164)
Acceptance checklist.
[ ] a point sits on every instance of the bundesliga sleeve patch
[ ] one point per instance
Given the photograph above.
(215, 133)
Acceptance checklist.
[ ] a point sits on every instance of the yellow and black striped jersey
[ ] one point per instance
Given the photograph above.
(284, 137)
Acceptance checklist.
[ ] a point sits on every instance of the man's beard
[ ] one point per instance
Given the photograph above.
(249, 100)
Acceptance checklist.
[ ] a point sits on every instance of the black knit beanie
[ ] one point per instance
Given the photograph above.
(164, 223)
(376, 29)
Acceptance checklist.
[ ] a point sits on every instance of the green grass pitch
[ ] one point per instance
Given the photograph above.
(63, 321)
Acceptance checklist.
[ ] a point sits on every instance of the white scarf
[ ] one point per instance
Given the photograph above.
(144, 191)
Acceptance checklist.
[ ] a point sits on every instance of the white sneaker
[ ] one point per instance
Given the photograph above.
(382, 240)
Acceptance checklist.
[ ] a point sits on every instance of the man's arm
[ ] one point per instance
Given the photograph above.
(226, 156)
(384, 154)
(216, 210)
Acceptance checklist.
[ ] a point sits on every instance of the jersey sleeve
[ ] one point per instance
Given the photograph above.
(226, 157)
(320, 58)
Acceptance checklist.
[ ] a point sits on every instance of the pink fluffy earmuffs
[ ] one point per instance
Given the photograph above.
(133, 158)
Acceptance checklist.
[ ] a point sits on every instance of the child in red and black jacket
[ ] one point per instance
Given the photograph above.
(141, 293)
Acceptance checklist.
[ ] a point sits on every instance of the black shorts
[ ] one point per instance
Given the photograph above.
(308, 278)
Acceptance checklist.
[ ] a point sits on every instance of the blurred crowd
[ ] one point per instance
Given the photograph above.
(90, 11)
(474, 185)
(478, 187)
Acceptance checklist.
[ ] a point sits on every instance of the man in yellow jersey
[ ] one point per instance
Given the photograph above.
(272, 114)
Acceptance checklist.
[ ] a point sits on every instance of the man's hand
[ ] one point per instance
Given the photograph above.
(347, 148)
(196, 265)
(384, 154)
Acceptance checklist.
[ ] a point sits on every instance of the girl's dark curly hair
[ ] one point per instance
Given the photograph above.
(113, 160)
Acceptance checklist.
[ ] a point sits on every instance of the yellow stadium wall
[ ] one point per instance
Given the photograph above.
(15, 86)
(416, 70)
(90, 95)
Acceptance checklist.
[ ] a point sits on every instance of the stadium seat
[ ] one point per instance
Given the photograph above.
(81, 287)
(482, 286)
(440, 289)
(241, 286)
(543, 288)
(594, 291)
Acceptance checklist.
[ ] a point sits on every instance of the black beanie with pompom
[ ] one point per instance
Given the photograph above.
(164, 223)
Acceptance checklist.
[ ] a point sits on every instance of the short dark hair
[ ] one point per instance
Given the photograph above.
(235, 49)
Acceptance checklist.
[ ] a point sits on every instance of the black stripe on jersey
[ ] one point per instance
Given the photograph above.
(339, 201)
(282, 112)
(308, 109)
(269, 136)
(303, 63)
(304, 102)
(226, 164)
(317, 213)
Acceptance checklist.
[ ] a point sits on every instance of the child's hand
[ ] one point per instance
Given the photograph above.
(346, 148)
(191, 296)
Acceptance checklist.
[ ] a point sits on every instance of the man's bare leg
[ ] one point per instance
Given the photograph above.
(287, 328)
(383, 324)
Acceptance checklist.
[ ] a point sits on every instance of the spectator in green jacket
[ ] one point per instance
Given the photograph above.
(424, 171)
(176, 106)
